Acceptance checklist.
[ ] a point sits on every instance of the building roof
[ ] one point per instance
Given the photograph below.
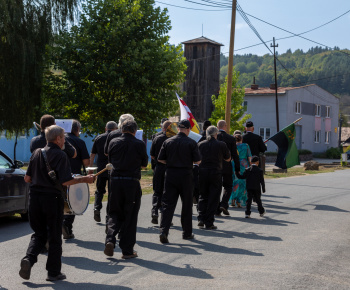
(268, 91)
(201, 39)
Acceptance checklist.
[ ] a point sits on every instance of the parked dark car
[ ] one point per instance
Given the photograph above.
(13, 189)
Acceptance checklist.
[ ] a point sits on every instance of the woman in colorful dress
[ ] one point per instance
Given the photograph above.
(239, 191)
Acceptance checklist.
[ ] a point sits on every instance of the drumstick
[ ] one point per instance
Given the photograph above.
(109, 166)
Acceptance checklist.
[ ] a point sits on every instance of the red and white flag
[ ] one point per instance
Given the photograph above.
(186, 114)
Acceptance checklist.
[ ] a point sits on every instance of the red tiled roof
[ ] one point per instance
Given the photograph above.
(201, 39)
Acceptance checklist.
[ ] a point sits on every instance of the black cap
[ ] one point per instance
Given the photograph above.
(163, 120)
(184, 124)
(254, 158)
(249, 124)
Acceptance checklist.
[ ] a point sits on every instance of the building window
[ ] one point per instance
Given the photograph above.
(328, 111)
(245, 106)
(265, 133)
(298, 107)
(317, 136)
(327, 137)
(318, 111)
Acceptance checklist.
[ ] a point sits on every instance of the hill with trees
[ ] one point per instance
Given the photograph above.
(330, 69)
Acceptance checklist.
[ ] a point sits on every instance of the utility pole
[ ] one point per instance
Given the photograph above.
(340, 124)
(230, 67)
(274, 57)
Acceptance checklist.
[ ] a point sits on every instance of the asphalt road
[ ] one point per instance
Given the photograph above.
(302, 243)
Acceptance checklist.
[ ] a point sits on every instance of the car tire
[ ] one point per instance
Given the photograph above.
(25, 216)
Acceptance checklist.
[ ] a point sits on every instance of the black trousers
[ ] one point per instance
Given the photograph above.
(124, 205)
(45, 218)
(256, 194)
(158, 188)
(68, 221)
(196, 182)
(101, 183)
(178, 182)
(227, 183)
(210, 183)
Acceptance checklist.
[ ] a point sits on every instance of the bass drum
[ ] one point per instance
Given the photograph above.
(77, 199)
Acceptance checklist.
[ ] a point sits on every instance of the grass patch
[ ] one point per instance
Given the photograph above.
(299, 171)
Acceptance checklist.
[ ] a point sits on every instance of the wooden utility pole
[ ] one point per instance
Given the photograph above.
(230, 67)
(274, 45)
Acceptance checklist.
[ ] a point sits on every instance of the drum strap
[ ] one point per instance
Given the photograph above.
(52, 174)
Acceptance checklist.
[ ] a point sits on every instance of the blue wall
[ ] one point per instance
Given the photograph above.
(23, 145)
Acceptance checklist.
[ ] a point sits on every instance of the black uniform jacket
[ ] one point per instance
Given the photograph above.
(213, 153)
(40, 142)
(114, 134)
(37, 170)
(231, 145)
(98, 148)
(82, 153)
(179, 152)
(255, 142)
(255, 178)
(128, 155)
(156, 146)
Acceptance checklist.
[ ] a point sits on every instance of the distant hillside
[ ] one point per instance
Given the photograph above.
(314, 66)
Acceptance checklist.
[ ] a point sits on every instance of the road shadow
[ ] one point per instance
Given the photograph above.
(312, 186)
(327, 208)
(265, 221)
(275, 196)
(209, 247)
(110, 267)
(232, 234)
(168, 269)
(69, 285)
(91, 245)
(171, 248)
(285, 208)
(13, 227)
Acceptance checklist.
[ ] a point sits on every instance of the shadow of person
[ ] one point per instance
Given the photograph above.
(233, 234)
(91, 245)
(222, 249)
(83, 263)
(285, 208)
(276, 196)
(168, 269)
(266, 221)
(171, 248)
(69, 285)
(327, 208)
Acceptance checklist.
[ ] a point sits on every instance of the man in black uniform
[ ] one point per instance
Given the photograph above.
(213, 153)
(227, 171)
(102, 160)
(127, 155)
(46, 203)
(159, 172)
(178, 153)
(153, 161)
(255, 142)
(82, 159)
(206, 124)
(40, 141)
(117, 133)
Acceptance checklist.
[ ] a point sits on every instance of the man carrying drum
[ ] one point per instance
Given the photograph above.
(46, 202)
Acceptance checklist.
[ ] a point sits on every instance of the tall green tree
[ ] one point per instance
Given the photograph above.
(238, 116)
(117, 60)
(26, 28)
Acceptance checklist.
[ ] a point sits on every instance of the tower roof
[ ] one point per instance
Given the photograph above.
(201, 39)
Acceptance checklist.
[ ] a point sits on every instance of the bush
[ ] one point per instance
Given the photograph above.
(304, 152)
(333, 153)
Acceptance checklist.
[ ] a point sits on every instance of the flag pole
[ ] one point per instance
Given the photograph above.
(296, 121)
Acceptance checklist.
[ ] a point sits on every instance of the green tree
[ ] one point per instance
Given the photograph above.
(238, 116)
(25, 29)
(117, 60)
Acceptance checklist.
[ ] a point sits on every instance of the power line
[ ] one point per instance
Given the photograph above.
(189, 8)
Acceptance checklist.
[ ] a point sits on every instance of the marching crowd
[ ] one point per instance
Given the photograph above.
(196, 172)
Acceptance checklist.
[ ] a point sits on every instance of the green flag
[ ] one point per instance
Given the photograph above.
(288, 154)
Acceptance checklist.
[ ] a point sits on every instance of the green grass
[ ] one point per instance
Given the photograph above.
(299, 171)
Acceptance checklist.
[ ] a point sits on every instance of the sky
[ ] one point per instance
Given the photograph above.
(295, 16)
